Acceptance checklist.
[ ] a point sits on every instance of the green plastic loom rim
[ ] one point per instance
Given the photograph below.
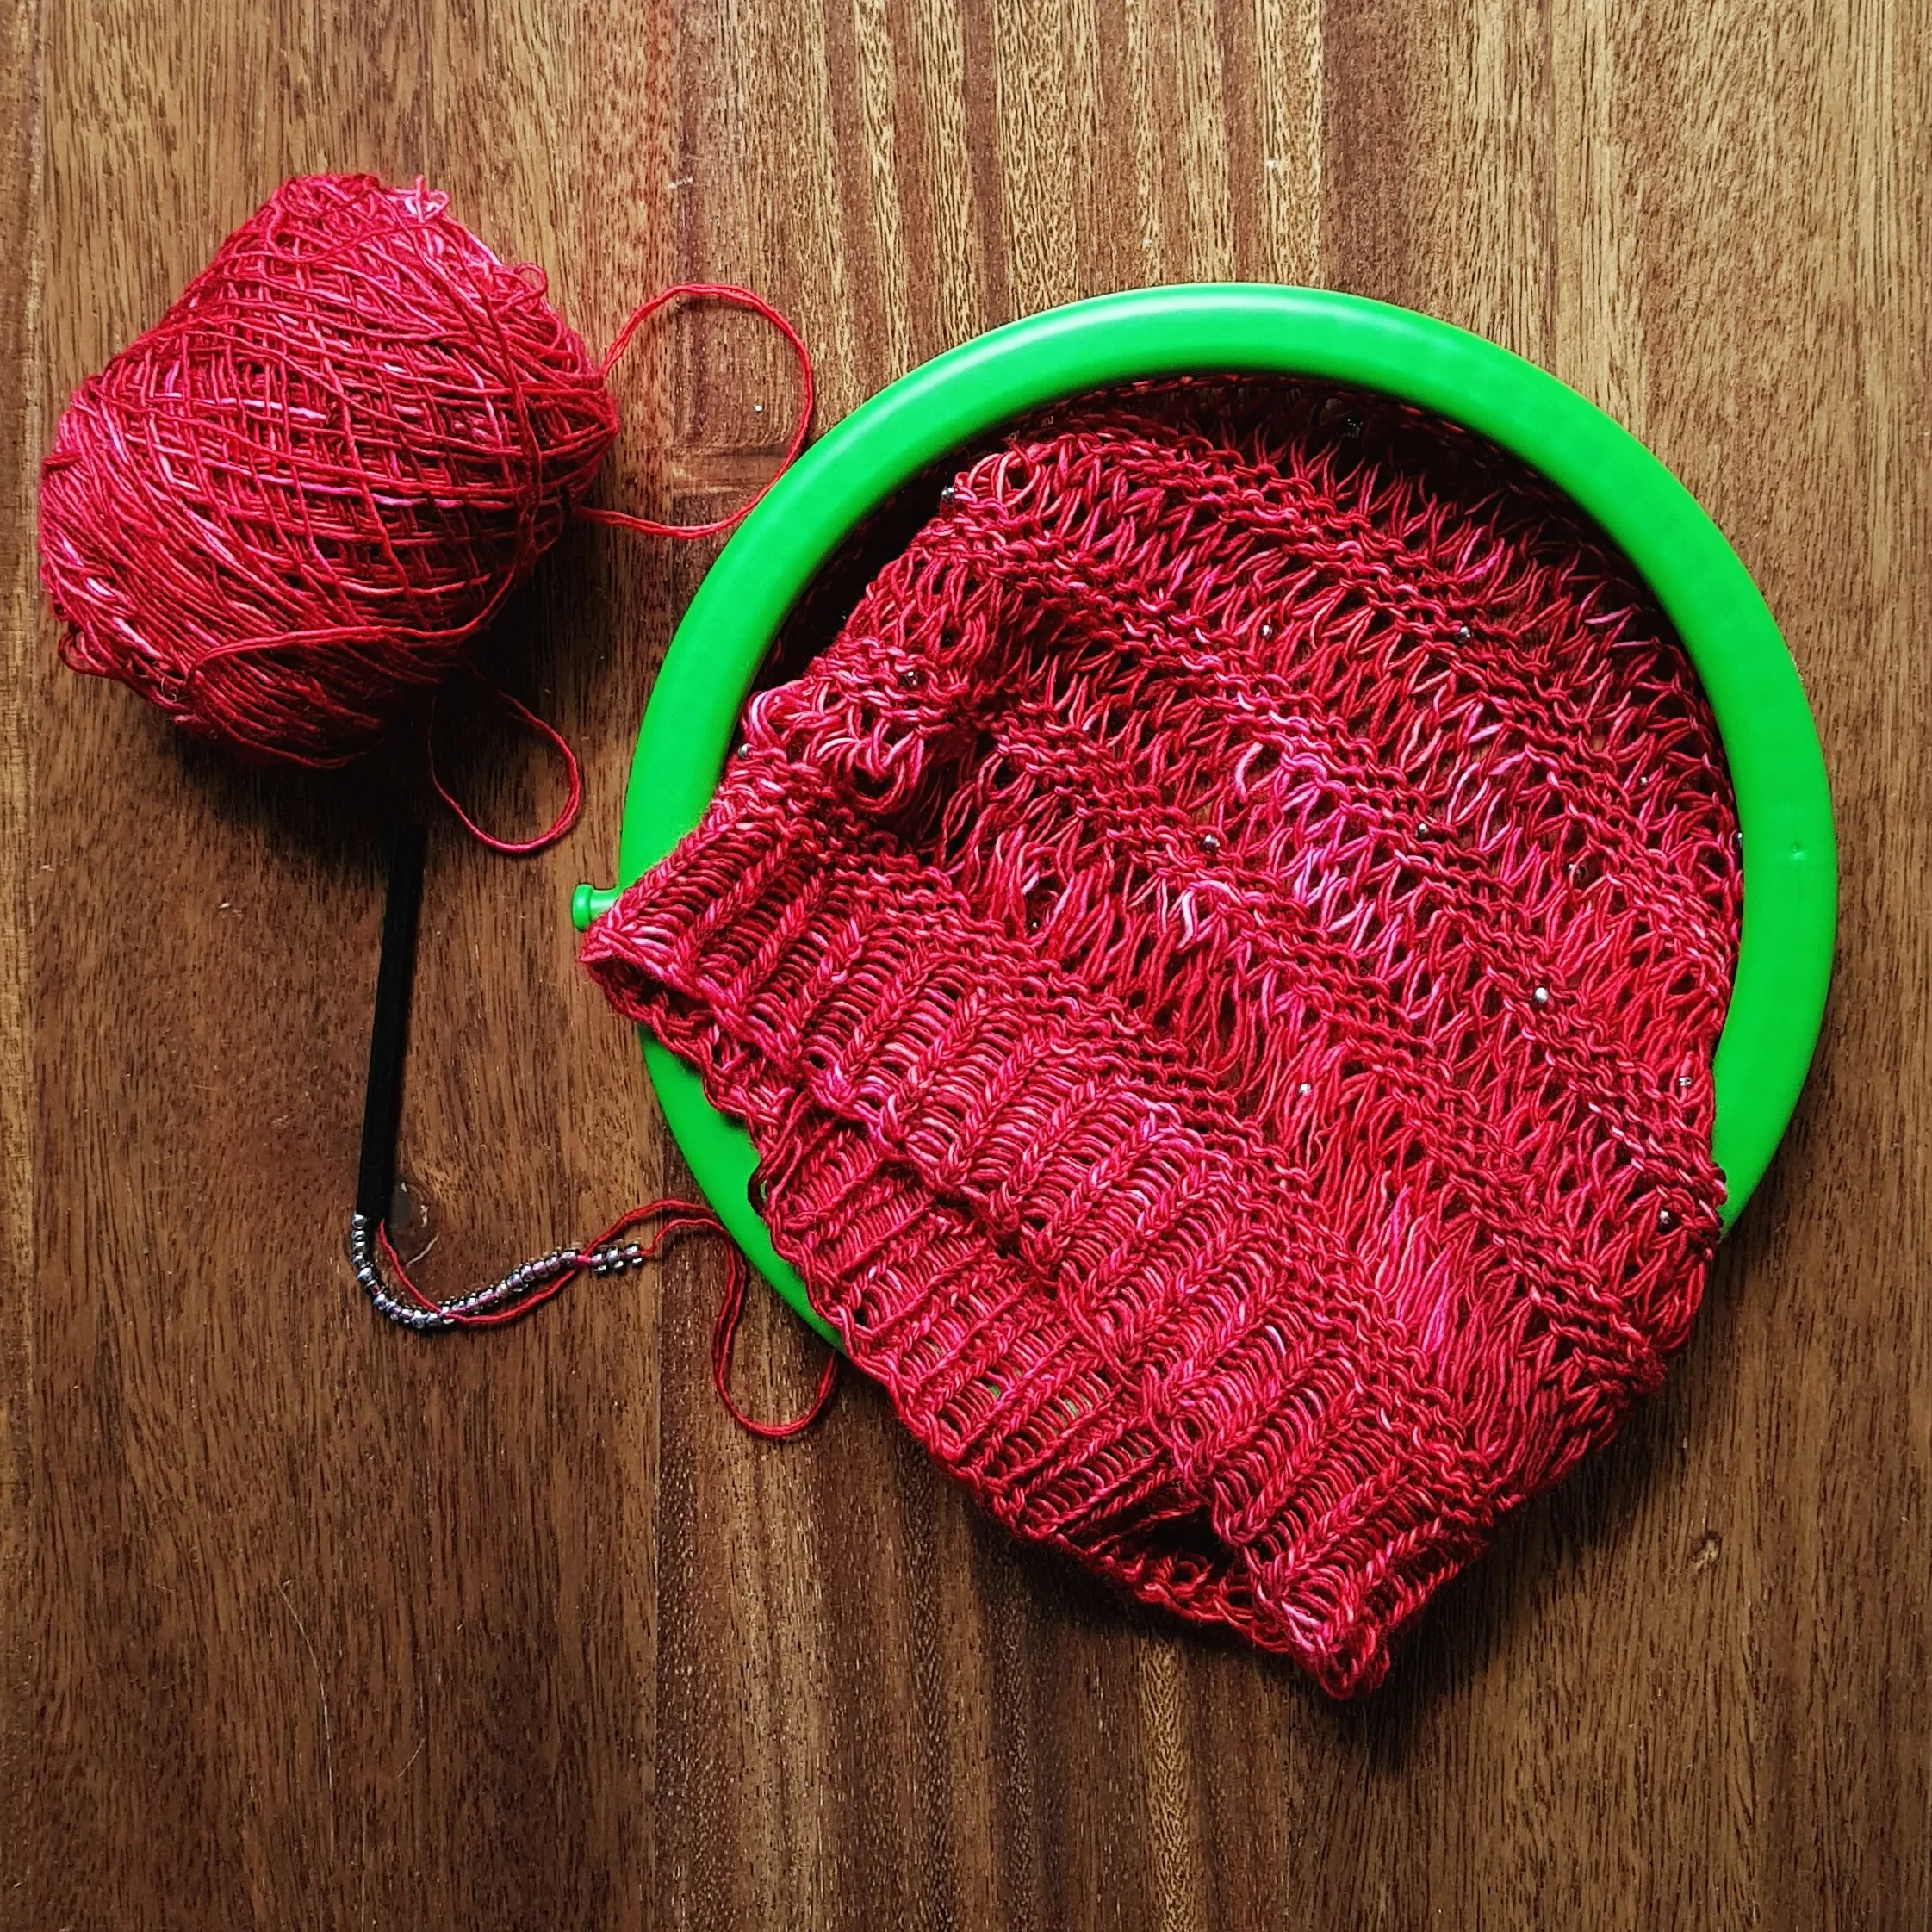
(1777, 765)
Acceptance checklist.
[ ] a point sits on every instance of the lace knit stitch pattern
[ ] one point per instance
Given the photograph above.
(1221, 960)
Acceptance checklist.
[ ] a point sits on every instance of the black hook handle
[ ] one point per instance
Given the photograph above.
(388, 1035)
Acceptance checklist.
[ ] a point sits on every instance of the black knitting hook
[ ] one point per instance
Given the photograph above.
(524, 1286)
(389, 1036)
(389, 1046)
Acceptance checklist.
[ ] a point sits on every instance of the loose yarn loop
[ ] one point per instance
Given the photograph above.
(735, 298)
(1220, 962)
(284, 513)
(573, 771)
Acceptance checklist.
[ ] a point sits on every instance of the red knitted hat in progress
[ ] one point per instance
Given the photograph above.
(1221, 961)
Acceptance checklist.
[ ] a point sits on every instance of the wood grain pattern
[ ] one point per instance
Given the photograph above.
(308, 1622)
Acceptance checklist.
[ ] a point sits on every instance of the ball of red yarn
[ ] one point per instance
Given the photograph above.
(291, 504)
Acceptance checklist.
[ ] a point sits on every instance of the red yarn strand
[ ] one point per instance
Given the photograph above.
(686, 1214)
(725, 1335)
(565, 818)
(736, 298)
(680, 1217)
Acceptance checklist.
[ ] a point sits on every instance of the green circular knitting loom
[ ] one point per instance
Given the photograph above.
(1777, 766)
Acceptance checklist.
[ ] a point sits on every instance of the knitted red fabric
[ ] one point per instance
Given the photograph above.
(1221, 961)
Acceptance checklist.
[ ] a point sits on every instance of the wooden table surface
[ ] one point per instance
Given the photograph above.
(308, 1622)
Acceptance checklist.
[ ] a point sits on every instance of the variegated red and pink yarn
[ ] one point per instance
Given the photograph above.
(1221, 960)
